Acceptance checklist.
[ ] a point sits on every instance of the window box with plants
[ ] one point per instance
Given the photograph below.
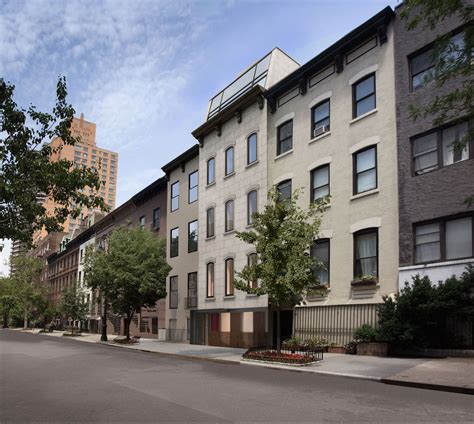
(365, 280)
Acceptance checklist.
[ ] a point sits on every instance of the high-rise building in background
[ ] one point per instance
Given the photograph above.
(85, 153)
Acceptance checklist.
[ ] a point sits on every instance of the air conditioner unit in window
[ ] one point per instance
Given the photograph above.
(320, 130)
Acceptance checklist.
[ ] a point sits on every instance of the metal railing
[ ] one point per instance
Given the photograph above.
(285, 354)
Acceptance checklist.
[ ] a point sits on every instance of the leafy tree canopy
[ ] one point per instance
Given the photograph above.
(26, 173)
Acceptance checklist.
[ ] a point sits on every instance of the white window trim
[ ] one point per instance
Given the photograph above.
(363, 73)
(375, 222)
(371, 141)
(284, 118)
(320, 99)
(320, 162)
(282, 178)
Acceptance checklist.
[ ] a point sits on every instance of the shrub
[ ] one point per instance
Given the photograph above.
(420, 313)
(365, 333)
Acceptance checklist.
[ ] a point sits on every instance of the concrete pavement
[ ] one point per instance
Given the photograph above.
(52, 379)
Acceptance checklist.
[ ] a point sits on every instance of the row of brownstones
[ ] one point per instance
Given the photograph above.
(336, 125)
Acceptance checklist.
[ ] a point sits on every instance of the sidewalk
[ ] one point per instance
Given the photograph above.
(450, 374)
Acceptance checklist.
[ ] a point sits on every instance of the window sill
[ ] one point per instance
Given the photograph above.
(252, 164)
(365, 193)
(229, 297)
(210, 299)
(289, 152)
(229, 232)
(210, 238)
(251, 295)
(210, 185)
(365, 115)
(229, 175)
(319, 137)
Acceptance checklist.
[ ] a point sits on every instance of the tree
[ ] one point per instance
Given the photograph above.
(27, 270)
(73, 305)
(7, 299)
(134, 271)
(97, 276)
(452, 61)
(26, 171)
(283, 235)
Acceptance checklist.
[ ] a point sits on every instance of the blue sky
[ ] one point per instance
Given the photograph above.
(143, 71)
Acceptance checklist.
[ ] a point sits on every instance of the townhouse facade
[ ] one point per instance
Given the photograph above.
(233, 182)
(436, 226)
(182, 247)
(332, 132)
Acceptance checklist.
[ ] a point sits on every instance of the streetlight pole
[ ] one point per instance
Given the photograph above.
(103, 337)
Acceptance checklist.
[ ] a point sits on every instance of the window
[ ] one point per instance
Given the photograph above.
(319, 183)
(366, 253)
(211, 171)
(174, 292)
(363, 96)
(192, 236)
(285, 137)
(284, 189)
(174, 196)
(210, 279)
(445, 239)
(320, 118)
(439, 148)
(251, 206)
(252, 149)
(210, 223)
(320, 251)
(156, 218)
(252, 260)
(365, 170)
(192, 290)
(229, 161)
(193, 187)
(229, 215)
(229, 277)
(174, 242)
(422, 68)
(142, 221)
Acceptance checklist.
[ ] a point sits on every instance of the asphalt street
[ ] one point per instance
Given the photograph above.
(45, 379)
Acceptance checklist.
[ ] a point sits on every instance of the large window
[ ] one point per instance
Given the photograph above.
(365, 170)
(319, 183)
(192, 290)
(174, 292)
(363, 96)
(440, 148)
(142, 221)
(229, 277)
(174, 242)
(192, 236)
(284, 190)
(422, 68)
(252, 260)
(229, 161)
(156, 219)
(210, 279)
(229, 215)
(174, 196)
(444, 239)
(210, 228)
(251, 206)
(211, 171)
(285, 137)
(320, 117)
(193, 187)
(252, 149)
(320, 251)
(366, 253)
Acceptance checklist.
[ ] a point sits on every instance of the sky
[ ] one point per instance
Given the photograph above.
(144, 70)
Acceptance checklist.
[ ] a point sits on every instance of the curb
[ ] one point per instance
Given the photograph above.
(429, 386)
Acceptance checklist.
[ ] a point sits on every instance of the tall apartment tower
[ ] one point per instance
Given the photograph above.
(85, 153)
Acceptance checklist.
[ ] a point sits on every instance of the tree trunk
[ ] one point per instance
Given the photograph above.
(103, 337)
(127, 326)
(5, 319)
(278, 330)
(25, 319)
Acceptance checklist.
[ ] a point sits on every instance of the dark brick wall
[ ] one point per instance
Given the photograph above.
(438, 193)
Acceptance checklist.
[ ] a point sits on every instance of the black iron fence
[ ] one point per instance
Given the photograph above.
(296, 354)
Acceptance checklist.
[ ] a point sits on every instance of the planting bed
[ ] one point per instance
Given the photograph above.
(286, 357)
